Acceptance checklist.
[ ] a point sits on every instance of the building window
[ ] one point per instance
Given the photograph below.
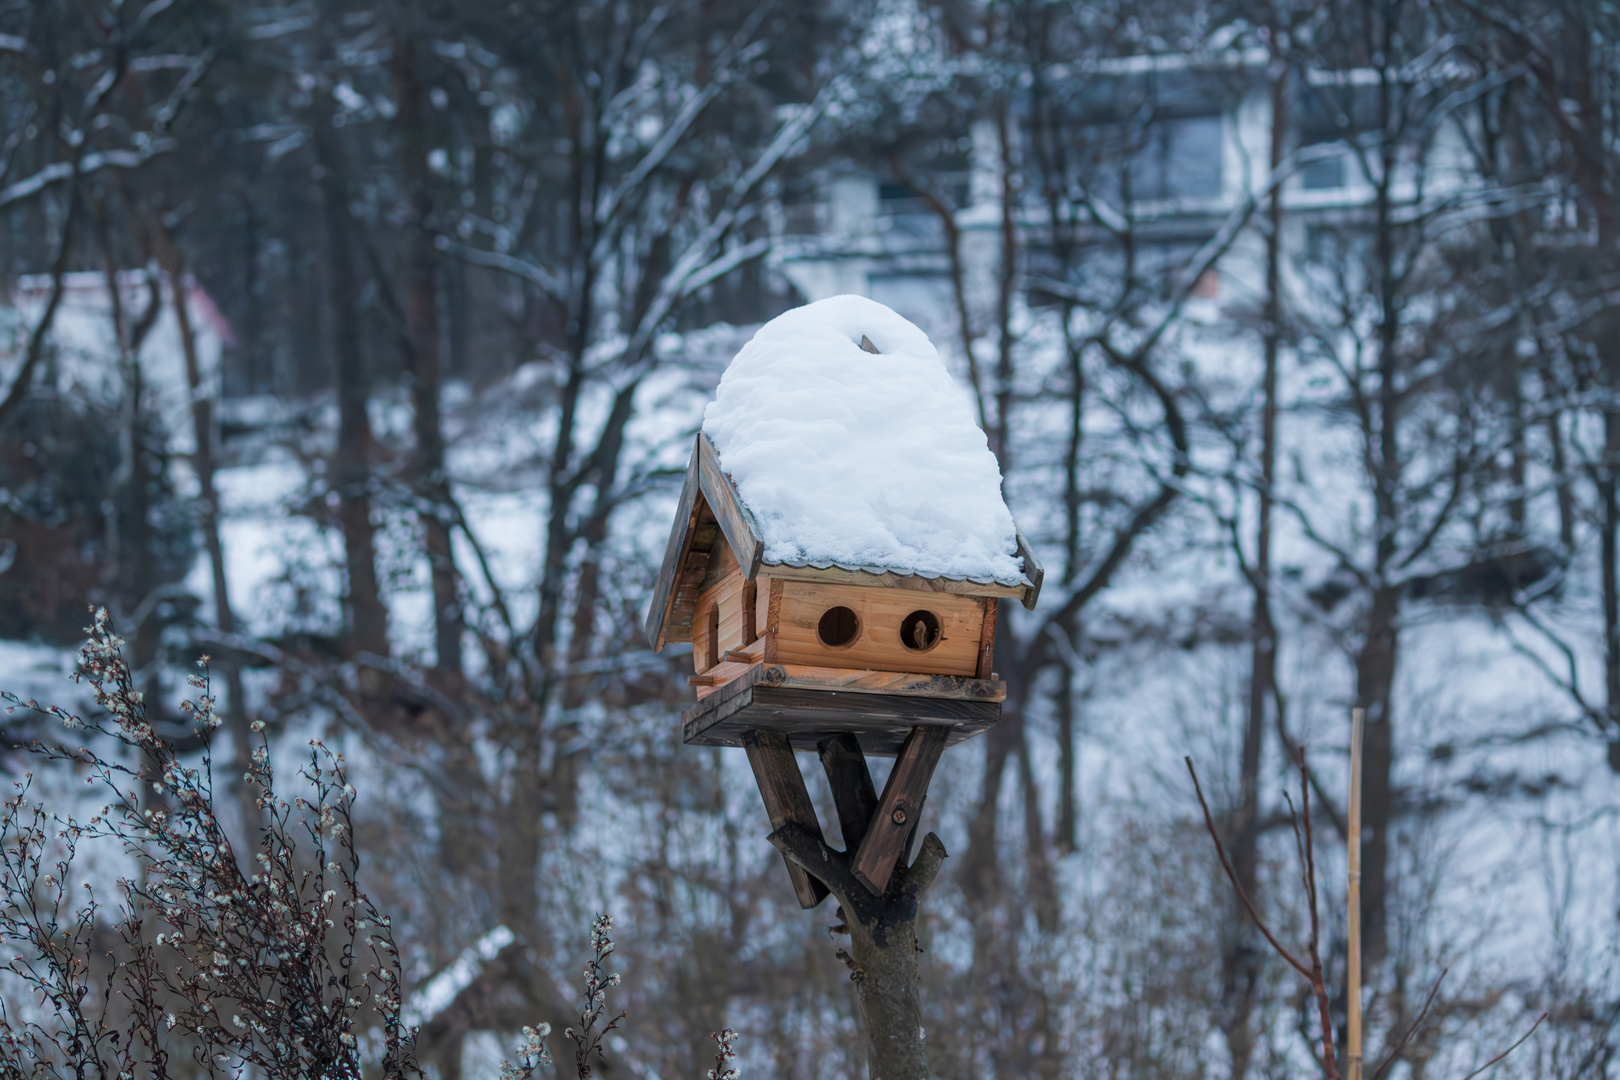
(1180, 159)
(1323, 174)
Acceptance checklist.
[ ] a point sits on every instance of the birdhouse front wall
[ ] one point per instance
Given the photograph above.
(884, 630)
(739, 624)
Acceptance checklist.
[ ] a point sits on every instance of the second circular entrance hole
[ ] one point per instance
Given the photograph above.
(919, 631)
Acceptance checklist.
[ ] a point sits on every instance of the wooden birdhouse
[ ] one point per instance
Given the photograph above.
(838, 556)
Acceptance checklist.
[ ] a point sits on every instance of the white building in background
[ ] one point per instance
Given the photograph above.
(83, 357)
(1205, 151)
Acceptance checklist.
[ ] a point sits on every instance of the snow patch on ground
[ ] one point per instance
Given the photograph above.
(857, 459)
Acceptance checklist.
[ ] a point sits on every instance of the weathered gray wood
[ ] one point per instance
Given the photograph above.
(899, 809)
(787, 802)
(735, 520)
(674, 555)
(806, 717)
(882, 683)
(705, 535)
(987, 641)
(851, 782)
(1032, 570)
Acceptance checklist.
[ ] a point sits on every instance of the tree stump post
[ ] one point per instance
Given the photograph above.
(882, 924)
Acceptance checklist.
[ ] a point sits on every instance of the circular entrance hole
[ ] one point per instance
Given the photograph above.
(919, 631)
(838, 627)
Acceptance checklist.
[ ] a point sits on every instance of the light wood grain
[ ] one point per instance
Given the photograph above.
(724, 598)
(751, 653)
(722, 561)
(877, 645)
(837, 575)
(723, 674)
(705, 638)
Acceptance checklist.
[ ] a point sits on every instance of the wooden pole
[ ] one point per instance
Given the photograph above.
(1353, 1042)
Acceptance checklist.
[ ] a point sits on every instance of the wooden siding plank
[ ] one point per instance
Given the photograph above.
(721, 675)
(787, 801)
(751, 653)
(722, 561)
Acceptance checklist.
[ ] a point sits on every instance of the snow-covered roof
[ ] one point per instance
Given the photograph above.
(86, 346)
(861, 460)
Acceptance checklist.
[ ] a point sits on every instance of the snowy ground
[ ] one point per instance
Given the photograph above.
(1512, 864)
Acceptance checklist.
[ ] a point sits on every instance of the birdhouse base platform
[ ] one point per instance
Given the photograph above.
(809, 705)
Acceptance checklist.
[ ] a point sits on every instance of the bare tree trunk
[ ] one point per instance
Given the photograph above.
(204, 464)
(882, 929)
(128, 574)
(1609, 526)
(1375, 680)
(366, 618)
(1562, 486)
(1066, 832)
(1375, 665)
(431, 483)
(981, 873)
(34, 351)
(1240, 962)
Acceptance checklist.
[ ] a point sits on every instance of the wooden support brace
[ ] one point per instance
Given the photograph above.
(851, 784)
(889, 833)
(787, 801)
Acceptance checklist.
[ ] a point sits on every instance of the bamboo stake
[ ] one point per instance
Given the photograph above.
(1353, 1040)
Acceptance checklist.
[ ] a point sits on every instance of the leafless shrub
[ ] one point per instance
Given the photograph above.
(276, 961)
(592, 1029)
(725, 1055)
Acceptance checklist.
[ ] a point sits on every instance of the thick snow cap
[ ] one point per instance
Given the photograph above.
(859, 460)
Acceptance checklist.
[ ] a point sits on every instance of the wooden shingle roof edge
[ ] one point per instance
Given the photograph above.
(708, 488)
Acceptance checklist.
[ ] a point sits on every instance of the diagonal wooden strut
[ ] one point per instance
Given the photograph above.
(787, 801)
(889, 832)
(851, 785)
